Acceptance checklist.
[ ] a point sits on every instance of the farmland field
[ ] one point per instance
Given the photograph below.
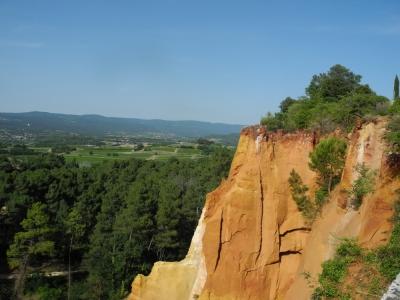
(93, 155)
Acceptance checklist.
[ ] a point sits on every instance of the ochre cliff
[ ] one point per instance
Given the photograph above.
(253, 243)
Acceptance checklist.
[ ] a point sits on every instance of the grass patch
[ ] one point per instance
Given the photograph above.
(371, 271)
(163, 148)
(335, 270)
(188, 151)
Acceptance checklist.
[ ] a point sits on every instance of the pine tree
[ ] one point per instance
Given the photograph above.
(328, 159)
(31, 242)
(168, 219)
(396, 88)
(75, 227)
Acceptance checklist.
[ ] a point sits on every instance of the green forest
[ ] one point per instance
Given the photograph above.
(97, 226)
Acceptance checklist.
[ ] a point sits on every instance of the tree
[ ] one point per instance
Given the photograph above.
(273, 122)
(100, 259)
(133, 235)
(299, 195)
(75, 226)
(168, 219)
(396, 88)
(299, 115)
(336, 83)
(285, 104)
(358, 105)
(328, 159)
(30, 243)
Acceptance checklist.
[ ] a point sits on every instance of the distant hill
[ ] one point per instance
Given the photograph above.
(38, 122)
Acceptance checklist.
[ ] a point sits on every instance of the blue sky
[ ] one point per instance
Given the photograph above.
(228, 61)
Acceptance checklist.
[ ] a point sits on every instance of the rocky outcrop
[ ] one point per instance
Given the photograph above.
(393, 291)
(253, 243)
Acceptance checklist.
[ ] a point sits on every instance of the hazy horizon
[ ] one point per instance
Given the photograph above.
(124, 117)
(215, 61)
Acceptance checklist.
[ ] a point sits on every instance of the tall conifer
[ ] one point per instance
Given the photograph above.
(396, 88)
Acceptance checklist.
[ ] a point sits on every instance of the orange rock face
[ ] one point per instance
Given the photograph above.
(253, 243)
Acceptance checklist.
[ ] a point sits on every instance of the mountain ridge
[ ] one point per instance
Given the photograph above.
(36, 121)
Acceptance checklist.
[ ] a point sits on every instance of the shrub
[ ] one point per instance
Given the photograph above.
(50, 293)
(334, 270)
(393, 133)
(321, 196)
(384, 260)
(45, 288)
(348, 249)
(363, 185)
(395, 108)
(389, 255)
(299, 195)
(273, 122)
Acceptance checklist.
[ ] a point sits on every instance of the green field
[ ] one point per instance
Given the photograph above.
(93, 155)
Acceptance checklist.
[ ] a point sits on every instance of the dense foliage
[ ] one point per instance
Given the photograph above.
(30, 244)
(108, 222)
(363, 185)
(335, 270)
(333, 99)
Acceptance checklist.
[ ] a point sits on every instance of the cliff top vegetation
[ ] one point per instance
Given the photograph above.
(335, 99)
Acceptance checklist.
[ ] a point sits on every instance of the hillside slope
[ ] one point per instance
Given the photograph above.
(99, 125)
(253, 243)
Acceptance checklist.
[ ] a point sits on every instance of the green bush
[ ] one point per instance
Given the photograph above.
(334, 271)
(389, 255)
(299, 195)
(393, 132)
(385, 259)
(45, 288)
(348, 249)
(50, 293)
(321, 196)
(273, 122)
(363, 185)
(299, 115)
(395, 108)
